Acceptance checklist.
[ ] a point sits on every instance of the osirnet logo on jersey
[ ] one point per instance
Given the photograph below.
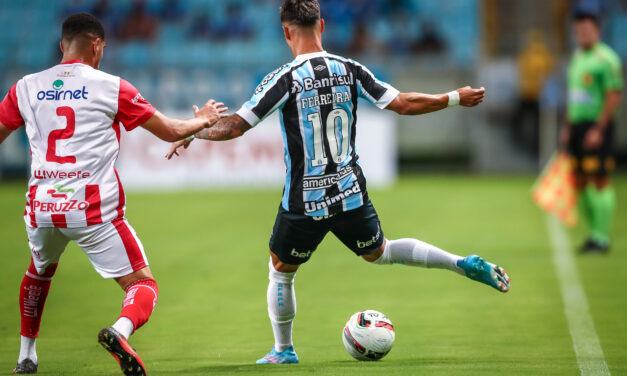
(57, 94)
(64, 206)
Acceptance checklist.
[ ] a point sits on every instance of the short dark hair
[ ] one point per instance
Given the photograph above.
(301, 12)
(582, 15)
(82, 25)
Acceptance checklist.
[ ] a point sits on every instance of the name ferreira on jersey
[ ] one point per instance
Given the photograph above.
(321, 100)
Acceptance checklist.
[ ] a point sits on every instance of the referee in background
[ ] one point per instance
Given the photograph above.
(594, 93)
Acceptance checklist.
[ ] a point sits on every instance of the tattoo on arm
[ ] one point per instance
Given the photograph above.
(225, 129)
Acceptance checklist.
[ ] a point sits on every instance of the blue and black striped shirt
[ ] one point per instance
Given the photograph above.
(317, 96)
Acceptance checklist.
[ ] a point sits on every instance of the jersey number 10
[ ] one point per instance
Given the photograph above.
(337, 119)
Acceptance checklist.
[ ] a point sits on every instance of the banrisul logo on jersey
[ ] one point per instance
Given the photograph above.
(57, 94)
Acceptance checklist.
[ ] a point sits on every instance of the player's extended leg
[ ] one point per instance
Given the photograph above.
(414, 252)
(33, 294)
(282, 310)
(141, 298)
(116, 252)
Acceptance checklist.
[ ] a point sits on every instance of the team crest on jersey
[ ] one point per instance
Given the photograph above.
(57, 85)
(269, 78)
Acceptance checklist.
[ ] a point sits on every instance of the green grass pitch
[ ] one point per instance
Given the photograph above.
(208, 252)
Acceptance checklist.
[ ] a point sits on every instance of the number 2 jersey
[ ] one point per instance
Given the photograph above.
(316, 96)
(72, 113)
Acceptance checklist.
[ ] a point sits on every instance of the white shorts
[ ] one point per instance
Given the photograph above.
(113, 247)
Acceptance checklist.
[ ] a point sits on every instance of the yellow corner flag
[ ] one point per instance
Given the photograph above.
(555, 190)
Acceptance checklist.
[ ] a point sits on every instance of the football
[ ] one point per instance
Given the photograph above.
(368, 335)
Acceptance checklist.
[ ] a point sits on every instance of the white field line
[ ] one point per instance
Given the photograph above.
(580, 323)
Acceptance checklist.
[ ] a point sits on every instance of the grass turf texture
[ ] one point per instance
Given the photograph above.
(208, 252)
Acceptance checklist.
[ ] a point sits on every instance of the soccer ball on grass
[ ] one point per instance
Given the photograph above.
(368, 335)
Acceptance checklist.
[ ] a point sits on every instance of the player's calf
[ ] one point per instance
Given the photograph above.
(414, 252)
(139, 303)
(33, 293)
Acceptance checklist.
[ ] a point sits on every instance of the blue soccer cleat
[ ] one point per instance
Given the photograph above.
(284, 357)
(480, 270)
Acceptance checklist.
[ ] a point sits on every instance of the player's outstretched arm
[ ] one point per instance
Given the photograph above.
(419, 103)
(172, 130)
(227, 128)
(4, 132)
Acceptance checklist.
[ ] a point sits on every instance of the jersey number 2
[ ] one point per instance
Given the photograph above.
(337, 119)
(61, 134)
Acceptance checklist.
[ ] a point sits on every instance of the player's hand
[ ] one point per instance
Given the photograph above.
(176, 145)
(469, 97)
(212, 111)
(594, 138)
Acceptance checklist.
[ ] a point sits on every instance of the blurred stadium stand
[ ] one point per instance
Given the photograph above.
(181, 52)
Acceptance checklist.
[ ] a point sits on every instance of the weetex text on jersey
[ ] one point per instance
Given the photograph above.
(55, 95)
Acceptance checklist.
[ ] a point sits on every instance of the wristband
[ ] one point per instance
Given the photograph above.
(190, 138)
(453, 98)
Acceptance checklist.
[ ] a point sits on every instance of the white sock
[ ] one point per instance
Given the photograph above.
(281, 307)
(414, 252)
(27, 350)
(124, 326)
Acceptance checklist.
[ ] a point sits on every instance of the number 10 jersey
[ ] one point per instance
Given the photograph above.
(72, 113)
(317, 96)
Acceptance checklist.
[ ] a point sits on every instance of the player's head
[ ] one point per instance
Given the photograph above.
(301, 19)
(587, 28)
(83, 35)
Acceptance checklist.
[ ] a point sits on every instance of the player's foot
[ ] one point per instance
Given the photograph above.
(480, 270)
(284, 357)
(118, 346)
(26, 366)
(593, 246)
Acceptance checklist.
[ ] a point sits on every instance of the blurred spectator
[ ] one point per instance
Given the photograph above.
(75, 6)
(107, 15)
(236, 26)
(535, 63)
(139, 24)
(172, 10)
(430, 41)
(200, 27)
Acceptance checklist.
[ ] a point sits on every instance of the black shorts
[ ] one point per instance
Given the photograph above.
(296, 236)
(598, 162)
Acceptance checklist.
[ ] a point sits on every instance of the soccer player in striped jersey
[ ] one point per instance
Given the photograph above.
(72, 113)
(325, 190)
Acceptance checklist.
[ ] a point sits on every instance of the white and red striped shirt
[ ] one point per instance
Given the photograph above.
(72, 113)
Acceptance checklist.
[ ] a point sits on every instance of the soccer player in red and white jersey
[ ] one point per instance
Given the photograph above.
(73, 113)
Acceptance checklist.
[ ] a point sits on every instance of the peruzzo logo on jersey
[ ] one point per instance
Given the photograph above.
(313, 83)
(268, 78)
(65, 206)
(57, 93)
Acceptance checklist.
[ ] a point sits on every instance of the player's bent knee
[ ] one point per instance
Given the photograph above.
(374, 256)
(280, 266)
(138, 275)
